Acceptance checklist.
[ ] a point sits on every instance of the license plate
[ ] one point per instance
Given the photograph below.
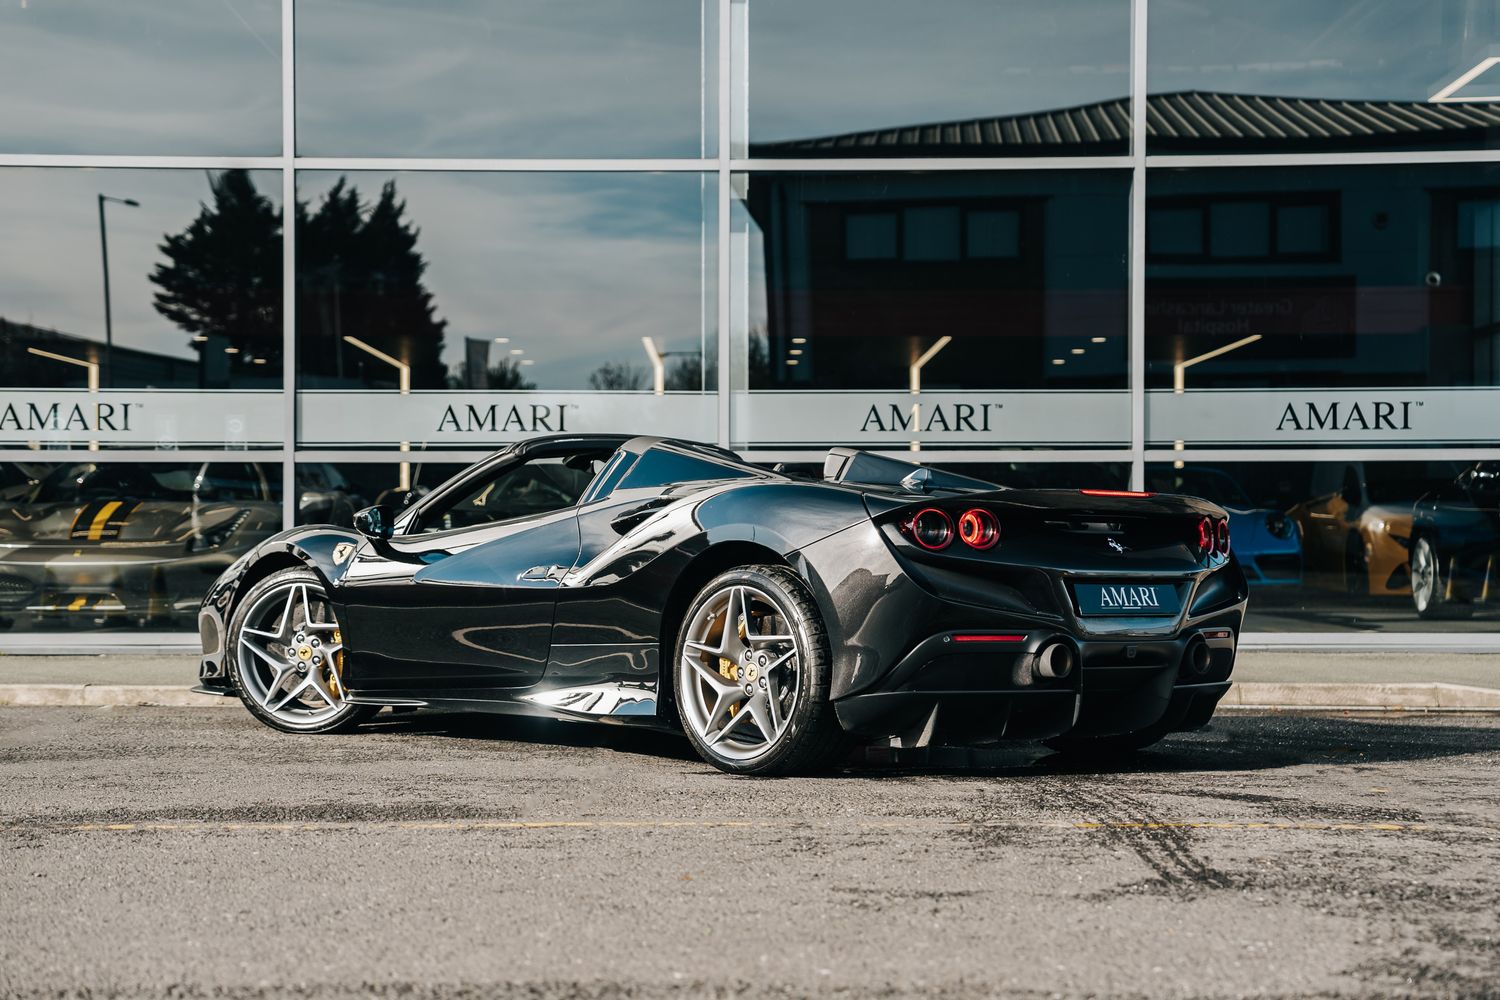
(1127, 598)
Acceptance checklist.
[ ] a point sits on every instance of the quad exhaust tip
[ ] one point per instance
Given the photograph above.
(1055, 660)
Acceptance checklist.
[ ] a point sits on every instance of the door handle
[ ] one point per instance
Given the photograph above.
(538, 574)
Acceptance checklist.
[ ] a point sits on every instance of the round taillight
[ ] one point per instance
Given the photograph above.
(932, 529)
(1221, 539)
(979, 529)
(1205, 534)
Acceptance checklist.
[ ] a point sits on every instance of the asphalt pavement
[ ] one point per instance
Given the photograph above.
(157, 851)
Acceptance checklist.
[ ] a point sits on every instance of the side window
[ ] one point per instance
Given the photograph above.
(659, 467)
(534, 487)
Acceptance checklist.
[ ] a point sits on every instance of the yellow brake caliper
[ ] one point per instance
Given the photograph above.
(335, 663)
(730, 671)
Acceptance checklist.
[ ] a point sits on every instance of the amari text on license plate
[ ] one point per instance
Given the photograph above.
(1127, 598)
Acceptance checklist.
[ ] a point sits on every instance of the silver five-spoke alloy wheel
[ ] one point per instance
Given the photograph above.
(289, 652)
(740, 672)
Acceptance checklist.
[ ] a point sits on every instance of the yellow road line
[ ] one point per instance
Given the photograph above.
(191, 826)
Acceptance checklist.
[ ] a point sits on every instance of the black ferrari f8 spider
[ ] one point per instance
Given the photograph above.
(653, 582)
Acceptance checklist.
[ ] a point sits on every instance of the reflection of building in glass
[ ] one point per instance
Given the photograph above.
(919, 207)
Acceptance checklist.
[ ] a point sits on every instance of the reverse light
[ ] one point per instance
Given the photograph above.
(1116, 493)
(1221, 539)
(932, 529)
(979, 529)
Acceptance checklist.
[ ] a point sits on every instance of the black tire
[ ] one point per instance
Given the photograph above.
(338, 721)
(1428, 595)
(812, 738)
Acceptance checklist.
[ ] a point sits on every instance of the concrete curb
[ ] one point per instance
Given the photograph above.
(101, 695)
(1306, 697)
(1389, 697)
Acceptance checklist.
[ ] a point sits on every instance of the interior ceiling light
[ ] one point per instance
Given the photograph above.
(795, 351)
(1076, 350)
(1446, 95)
(1096, 340)
(799, 340)
(1059, 361)
(502, 340)
(792, 361)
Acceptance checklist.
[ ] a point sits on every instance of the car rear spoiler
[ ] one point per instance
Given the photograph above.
(850, 465)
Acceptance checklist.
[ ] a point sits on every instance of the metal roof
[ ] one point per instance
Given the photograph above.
(1186, 121)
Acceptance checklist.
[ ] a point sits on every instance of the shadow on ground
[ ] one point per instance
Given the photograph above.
(1232, 743)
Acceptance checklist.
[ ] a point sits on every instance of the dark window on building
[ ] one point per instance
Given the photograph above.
(1242, 229)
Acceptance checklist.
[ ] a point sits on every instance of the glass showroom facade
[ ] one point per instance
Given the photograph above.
(267, 262)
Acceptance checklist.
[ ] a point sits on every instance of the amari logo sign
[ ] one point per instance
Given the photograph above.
(84, 418)
(1337, 415)
(1127, 598)
(533, 418)
(926, 418)
(160, 419)
(1208, 417)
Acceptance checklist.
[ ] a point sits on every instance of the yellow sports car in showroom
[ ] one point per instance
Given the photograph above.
(1356, 528)
(132, 543)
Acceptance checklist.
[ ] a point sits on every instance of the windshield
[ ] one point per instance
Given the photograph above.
(85, 481)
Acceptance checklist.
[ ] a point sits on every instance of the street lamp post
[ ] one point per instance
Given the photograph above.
(109, 333)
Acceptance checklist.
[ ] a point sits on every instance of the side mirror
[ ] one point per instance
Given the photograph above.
(374, 522)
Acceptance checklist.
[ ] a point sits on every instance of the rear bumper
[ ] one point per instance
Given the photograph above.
(947, 692)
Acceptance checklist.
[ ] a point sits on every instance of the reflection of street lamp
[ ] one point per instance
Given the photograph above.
(404, 380)
(1179, 373)
(93, 373)
(658, 363)
(914, 373)
(109, 333)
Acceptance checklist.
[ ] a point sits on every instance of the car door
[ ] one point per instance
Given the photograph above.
(461, 601)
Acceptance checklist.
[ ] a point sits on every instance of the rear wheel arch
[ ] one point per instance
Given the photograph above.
(694, 577)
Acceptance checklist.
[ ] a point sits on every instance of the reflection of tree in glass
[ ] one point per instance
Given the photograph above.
(686, 374)
(359, 275)
(505, 375)
(221, 281)
(758, 358)
(617, 376)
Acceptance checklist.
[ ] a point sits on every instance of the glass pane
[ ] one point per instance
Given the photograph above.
(1047, 475)
(1285, 75)
(997, 297)
(943, 78)
(330, 493)
(1338, 306)
(167, 77)
(526, 78)
(473, 309)
(191, 300)
(125, 544)
(1342, 546)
